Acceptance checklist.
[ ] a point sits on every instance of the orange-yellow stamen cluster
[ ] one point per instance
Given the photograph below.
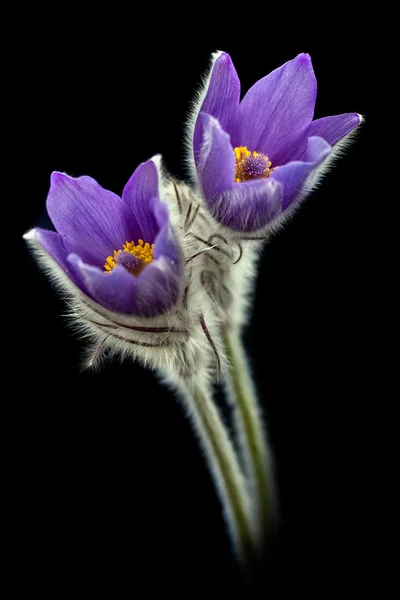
(142, 250)
(251, 165)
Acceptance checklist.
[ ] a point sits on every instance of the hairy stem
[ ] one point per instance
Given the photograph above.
(225, 468)
(250, 432)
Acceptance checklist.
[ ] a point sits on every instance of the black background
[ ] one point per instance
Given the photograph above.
(109, 491)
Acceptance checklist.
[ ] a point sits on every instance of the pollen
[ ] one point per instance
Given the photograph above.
(251, 165)
(133, 257)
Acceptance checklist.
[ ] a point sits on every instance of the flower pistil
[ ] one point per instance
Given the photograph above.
(251, 165)
(133, 257)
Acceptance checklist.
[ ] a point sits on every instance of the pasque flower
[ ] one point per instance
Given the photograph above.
(255, 158)
(121, 252)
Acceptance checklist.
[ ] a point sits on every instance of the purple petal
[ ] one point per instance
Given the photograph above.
(165, 243)
(222, 95)
(248, 206)
(153, 292)
(92, 220)
(115, 290)
(158, 288)
(293, 175)
(276, 112)
(53, 244)
(333, 129)
(138, 193)
(216, 163)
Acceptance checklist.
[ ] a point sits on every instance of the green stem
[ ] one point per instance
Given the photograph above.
(226, 469)
(250, 430)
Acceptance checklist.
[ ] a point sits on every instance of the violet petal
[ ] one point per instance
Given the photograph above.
(222, 95)
(276, 112)
(115, 290)
(53, 243)
(333, 129)
(216, 162)
(92, 220)
(293, 175)
(248, 206)
(165, 243)
(158, 288)
(138, 193)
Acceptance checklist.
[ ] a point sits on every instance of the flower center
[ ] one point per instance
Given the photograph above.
(251, 165)
(133, 258)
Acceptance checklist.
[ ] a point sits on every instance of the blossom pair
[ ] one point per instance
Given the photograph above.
(251, 162)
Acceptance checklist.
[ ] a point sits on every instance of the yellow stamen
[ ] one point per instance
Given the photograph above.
(141, 250)
(251, 165)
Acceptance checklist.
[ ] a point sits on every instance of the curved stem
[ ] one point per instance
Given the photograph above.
(250, 431)
(225, 468)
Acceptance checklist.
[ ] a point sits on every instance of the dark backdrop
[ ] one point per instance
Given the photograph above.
(109, 489)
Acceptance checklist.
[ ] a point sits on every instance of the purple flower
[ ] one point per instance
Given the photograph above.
(255, 158)
(121, 252)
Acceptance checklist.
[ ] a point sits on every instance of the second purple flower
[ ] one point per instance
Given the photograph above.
(252, 159)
